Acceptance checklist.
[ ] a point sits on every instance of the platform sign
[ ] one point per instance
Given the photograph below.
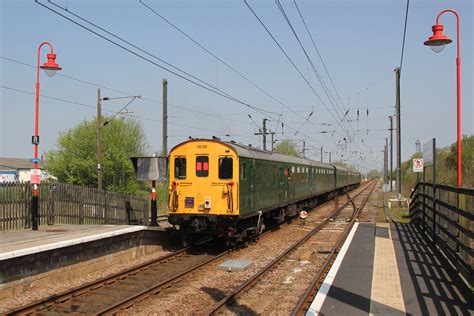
(35, 176)
(418, 165)
(150, 168)
(428, 153)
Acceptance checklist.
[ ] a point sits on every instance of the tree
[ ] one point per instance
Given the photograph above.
(75, 160)
(287, 147)
(373, 174)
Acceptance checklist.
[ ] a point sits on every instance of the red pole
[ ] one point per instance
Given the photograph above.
(35, 200)
(458, 82)
(154, 209)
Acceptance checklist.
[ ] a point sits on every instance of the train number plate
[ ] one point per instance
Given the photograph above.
(189, 202)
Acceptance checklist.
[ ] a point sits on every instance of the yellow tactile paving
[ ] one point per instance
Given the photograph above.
(387, 296)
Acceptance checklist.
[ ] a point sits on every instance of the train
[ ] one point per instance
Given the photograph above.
(232, 191)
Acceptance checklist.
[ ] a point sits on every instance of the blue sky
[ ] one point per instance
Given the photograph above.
(360, 42)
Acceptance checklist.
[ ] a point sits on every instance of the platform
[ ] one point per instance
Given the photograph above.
(26, 242)
(60, 253)
(389, 269)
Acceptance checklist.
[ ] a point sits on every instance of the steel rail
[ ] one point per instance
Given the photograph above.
(131, 300)
(305, 301)
(233, 295)
(126, 303)
(63, 296)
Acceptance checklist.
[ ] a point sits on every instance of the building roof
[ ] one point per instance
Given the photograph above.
(7, 163)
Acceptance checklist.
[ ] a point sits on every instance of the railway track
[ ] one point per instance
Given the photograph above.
(247, 297)
(112, 293)
(116, 293)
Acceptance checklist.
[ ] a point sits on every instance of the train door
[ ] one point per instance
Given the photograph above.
(283, 184)
(252, 187)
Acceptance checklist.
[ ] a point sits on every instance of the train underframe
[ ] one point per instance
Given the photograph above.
(235, 230)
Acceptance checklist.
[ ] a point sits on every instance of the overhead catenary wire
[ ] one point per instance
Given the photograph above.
(203, 85)
(294, 65)
(313, 67)
(125, 93)
(214, 55)
(232, 68)
(130, 94)
(259, 110)
(106, 110)
(404, 35)
(287, 56)
(319, 54)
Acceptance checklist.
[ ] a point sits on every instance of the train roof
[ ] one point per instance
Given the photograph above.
(252, 152)
(256, 153)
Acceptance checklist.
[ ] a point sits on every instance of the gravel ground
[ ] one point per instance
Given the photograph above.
(290, 278)
(43, 291)
(203, 289)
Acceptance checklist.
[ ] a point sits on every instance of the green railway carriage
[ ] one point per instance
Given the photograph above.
(233, 191)
(345, 177)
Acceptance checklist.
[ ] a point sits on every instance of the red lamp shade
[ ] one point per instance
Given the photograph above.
(438, 38)
(50, 66)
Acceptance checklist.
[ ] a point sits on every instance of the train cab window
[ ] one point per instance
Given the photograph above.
(225, 168)
(202, 166)
(180, 168)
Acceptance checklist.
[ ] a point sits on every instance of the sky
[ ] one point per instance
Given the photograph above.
(360, 43)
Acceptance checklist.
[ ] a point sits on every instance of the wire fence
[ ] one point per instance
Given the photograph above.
(61, 203)
(445, 214)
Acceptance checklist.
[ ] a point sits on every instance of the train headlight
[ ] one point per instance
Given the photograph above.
(207, 202)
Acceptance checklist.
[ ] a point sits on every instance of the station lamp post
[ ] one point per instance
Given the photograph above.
(50, 68)
(437, 42)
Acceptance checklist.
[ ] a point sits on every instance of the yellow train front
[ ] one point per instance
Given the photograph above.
(203, 187)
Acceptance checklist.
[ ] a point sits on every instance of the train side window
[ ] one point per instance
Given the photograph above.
(202, 166)
(225, 168)
(243, 171)
(180, 168)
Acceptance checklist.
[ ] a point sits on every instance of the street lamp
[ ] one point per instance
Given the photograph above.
(50, 68)
(437, 43)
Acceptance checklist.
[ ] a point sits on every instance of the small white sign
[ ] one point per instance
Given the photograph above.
(35, 176)
(418, 165)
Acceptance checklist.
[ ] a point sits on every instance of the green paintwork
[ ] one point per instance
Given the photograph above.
(264, 186)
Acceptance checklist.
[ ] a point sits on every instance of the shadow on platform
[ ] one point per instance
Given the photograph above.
(430, 285)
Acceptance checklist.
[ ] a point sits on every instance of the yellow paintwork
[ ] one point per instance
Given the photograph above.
(202, 188)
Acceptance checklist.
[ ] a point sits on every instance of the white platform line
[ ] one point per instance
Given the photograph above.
(318, 301)
(67, 243)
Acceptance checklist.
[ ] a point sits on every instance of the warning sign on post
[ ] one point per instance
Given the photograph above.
(418, 165)
(35, 176)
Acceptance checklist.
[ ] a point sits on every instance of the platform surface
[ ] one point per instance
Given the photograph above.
(390, 269)
(24, 242)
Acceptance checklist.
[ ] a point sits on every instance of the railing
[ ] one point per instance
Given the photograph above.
(445, 214)
(69, 204)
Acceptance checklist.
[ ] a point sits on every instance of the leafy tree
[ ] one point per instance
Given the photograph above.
(446, 166)
(287, 147)
(75, 160)
(373, 174)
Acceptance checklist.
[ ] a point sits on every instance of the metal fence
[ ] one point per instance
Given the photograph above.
(445, 214)
(62, 203)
